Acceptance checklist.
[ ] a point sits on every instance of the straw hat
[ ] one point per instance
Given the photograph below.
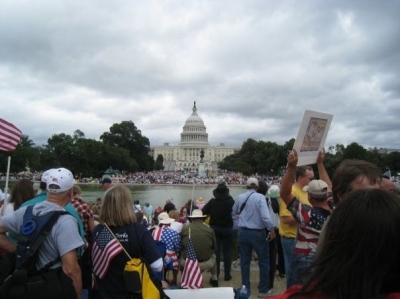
(200, 200)
(163, 218)
(197, 213)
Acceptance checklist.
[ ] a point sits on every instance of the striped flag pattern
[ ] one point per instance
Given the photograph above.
(191, 276)
(105, 248)
(167, 235)
(10, 136)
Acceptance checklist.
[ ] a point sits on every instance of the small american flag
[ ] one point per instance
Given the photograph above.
(191, 276)
(10, 136)
(105, 248)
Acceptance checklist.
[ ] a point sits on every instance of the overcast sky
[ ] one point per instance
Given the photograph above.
(253, 67)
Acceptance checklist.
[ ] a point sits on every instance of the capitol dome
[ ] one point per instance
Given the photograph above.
(193, 154)
(194, 130)
(194, 119)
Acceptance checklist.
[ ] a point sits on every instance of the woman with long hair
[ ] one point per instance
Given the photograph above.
(118, 221)
(21, 192)
(360, 252)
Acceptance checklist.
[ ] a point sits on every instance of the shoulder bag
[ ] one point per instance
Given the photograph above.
(138, 276)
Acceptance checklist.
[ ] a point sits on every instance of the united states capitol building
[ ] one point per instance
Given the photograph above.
(186, 155)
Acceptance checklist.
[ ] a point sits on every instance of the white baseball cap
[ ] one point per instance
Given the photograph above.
(60, 180)
(45, 176)
(317, 188)
(252, 182)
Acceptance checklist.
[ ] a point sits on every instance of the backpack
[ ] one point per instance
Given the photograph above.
(24, 280)
(139, 278)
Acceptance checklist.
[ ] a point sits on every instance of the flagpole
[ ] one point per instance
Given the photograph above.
(191, 205)
(7, 175)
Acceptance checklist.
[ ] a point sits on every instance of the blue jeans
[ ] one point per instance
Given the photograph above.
(223, 235)
(250, 239)
(300, 267)
(288, 253)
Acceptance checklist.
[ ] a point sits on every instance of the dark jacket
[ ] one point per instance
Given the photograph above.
(220, 210)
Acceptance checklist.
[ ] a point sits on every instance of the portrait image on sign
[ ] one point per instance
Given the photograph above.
(314, 134)
(311, 137)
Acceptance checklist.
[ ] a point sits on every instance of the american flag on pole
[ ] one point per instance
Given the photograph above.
(191, 276)
(10, 136)
(105, 248)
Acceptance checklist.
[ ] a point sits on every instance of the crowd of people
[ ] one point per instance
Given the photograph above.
(161, 177)
(329, 238)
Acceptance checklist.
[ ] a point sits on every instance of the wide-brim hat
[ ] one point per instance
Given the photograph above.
(163, 218)
(197, 213)
(221, 189)
(200, 200)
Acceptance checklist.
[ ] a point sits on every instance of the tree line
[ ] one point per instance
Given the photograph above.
(269, 158)
(124, 148)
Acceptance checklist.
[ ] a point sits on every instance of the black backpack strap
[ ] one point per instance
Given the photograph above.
(43, 235)
(34, 244)
(244, 204)
(274, 204)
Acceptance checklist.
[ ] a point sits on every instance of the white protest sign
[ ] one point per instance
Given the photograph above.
(312, 135)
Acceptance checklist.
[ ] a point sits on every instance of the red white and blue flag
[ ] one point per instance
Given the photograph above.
(170, 238)
(191, 276)
(10, 136)
(105, 248)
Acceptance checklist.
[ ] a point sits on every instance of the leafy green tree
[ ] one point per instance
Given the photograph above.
(266, 160)
(355, 151)
(78, 134)
(262, 157)
(25, 156)
(336, 150)
(249, 150)
(127, 136)
(84, 157)
(333, 157)
(88, 157)
(244, 167)
(120, 159)
(58, 152)
(377, 157)
(229, 163)
(124, 148)
(393, 162)
(159, 165)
